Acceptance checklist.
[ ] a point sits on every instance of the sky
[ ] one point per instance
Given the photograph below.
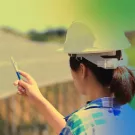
(24, 15)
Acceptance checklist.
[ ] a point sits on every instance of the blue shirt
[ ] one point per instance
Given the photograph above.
(103, 116)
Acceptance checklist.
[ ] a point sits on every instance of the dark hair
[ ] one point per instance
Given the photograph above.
(120, 80)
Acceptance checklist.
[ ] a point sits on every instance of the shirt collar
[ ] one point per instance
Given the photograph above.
(105, 102)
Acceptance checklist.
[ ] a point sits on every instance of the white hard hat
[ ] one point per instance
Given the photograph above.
(91, 43)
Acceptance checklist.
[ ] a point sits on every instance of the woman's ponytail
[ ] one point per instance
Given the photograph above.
(123, 84)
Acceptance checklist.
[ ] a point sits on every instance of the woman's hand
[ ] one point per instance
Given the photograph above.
(28, 88)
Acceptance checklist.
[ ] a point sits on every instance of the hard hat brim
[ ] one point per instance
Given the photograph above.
(87, 51)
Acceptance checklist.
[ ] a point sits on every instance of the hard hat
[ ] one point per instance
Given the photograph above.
(81, 38)
(91, 43)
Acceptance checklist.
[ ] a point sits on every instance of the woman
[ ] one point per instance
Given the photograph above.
(98, 73)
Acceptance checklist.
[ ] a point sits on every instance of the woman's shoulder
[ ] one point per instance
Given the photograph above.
(83, 118)
(89, 120)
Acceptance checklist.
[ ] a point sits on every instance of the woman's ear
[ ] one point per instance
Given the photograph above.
(83, 70)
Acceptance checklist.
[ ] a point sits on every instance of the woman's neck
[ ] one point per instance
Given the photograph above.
(97, 91)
